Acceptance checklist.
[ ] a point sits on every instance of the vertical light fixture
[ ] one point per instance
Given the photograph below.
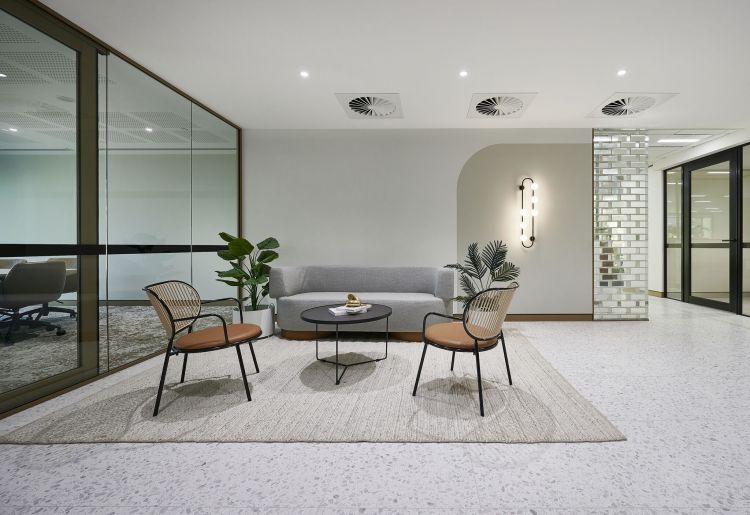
(527, 236)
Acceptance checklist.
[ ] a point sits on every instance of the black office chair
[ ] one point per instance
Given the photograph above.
(27, 285)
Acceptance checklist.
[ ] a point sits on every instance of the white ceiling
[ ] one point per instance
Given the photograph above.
(242, 57)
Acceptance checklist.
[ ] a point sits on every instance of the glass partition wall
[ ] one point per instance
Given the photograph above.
(167, 176)
(707, 231)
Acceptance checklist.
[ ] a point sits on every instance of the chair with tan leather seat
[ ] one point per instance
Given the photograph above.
(178, 306)
(478, 330)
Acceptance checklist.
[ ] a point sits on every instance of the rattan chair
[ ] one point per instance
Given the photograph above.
(178, 306)
(478, 330)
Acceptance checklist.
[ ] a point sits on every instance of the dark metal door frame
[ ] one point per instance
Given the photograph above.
(733, 156)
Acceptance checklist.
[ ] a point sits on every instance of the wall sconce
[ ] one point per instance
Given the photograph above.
(527, 237)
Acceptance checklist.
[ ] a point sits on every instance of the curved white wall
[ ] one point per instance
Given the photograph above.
(556, 273)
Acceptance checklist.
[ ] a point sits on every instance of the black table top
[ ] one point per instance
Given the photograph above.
(321, 315)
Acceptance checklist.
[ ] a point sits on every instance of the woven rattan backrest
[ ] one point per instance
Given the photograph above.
(485, 313)
(174, 300)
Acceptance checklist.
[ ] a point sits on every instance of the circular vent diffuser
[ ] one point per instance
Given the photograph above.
(627, 106)
(499, 106)
(372, 106)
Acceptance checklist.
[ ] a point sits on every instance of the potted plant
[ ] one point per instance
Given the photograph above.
(250, 273)
(490, 263)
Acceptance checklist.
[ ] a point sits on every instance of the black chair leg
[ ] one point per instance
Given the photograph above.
(419, 372)
(507, 366)
(479, 382)
(242, 368)
(252, 352)
(184, 366)
(453, 360)
(161, 381)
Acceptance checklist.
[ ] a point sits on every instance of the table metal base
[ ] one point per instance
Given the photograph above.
(345, 366)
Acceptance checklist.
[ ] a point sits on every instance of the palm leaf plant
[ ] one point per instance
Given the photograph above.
(249, 267)
(481, 269)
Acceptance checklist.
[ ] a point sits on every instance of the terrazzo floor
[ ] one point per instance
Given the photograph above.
(677, 387)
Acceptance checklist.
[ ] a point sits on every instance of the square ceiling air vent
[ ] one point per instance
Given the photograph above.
(373, 106)
(630, 105)
(499, 105)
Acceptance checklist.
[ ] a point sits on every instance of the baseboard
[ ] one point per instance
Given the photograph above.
(655, 293)
(548, 317)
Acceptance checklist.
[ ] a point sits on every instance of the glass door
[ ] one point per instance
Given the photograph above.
(48, 334)
(712, 231)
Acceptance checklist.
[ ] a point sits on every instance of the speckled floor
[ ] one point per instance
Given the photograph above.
(677, 386)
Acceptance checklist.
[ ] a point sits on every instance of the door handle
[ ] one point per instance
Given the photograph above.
(730, 240)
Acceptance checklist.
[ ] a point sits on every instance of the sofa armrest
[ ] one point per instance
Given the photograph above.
(444, 283)
(285, 281)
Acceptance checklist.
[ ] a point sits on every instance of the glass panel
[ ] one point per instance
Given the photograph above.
(134, 328)
(38, 92)
(746, 230)
(148, 159)
(214, 188)
(38, 190)
(673, 210)
(709, 210)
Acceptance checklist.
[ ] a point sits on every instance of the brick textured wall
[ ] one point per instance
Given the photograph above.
(620, 225)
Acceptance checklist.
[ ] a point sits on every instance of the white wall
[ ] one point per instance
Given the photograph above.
(556, 272)
(655, 231)
(370, 197)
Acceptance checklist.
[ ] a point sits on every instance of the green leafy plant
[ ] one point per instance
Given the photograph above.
(481, 269)
(250, 269)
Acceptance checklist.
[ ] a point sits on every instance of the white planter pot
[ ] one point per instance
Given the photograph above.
(262, 317)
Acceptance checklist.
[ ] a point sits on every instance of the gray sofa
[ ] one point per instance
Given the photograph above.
(410, 291)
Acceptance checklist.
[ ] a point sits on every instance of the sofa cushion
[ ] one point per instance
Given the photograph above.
(408, 309)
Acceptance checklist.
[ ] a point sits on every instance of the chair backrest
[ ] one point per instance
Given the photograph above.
(71, 275)
(28, 284)
(10, 262)
(173, 300)
(485, 313)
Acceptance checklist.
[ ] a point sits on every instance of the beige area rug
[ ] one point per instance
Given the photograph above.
(295, 400)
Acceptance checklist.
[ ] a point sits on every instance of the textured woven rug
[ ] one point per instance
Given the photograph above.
(295, 400)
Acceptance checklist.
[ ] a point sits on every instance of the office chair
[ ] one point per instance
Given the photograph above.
(26, 285)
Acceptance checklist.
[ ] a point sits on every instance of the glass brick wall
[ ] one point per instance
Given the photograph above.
(620, 225)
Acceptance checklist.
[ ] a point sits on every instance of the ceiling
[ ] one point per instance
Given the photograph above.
(38, 101)
(243, 58)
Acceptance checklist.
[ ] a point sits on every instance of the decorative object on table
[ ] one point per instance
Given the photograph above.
(349, 310)
(528, 236)
(250, 273)
(352, 301)
(478, 265)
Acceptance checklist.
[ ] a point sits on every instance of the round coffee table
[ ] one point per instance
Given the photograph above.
(321, 316)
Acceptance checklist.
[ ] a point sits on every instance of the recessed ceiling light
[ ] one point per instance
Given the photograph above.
(149, 129)
(620, 73)
(304, 74)
(702, 201)
(463, 73)
(679, 140)
(718, 173)
(2, 76)
(12, 129)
